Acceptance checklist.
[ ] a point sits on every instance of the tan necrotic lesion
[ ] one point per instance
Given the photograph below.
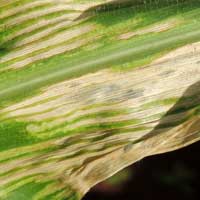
(96, 116)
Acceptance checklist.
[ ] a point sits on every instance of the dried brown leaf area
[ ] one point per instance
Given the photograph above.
(90, 87)
(116, 118)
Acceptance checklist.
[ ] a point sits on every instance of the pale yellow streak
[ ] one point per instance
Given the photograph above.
(41, 23)
(47, 54)
(55, 40)
(156, 28)
(34, 14)
(21, 8)
(63, 24)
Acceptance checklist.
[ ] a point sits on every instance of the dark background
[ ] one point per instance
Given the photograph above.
(173, 175)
